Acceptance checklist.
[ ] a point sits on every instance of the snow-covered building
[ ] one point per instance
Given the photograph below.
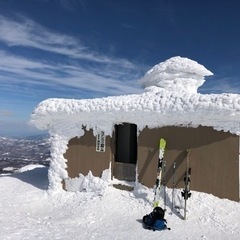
(120, 135)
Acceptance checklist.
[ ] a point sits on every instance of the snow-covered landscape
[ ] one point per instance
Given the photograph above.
(119, 120)
(34, 206)
(16, 152)
(30, 211)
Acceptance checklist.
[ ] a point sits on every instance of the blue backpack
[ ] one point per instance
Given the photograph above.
(160, 224)
(155, 220)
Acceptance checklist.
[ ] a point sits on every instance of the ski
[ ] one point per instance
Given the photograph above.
(162, 147)
(173, 187)
(186, 192)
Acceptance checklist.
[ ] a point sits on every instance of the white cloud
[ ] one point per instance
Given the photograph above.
(27, 33)
(81, 68)
(18, 128)
(17, 70)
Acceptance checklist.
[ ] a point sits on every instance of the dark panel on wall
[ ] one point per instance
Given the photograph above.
(124, 166)
(214, 159)
(126, 143)
(82, 156)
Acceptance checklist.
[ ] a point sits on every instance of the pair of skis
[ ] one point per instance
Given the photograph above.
(162, 167)
(186, 192)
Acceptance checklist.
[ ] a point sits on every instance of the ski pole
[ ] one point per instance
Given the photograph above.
(164, 183)
(173, 189)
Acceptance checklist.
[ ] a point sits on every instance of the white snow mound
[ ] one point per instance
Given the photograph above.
(176, 74)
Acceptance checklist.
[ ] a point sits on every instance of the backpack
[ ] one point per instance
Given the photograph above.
(155, 220)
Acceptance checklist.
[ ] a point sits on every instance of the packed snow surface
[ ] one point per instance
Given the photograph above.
(30, 212)
(169, 99)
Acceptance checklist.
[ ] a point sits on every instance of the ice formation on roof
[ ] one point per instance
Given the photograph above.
(169, 100)
(176, 74)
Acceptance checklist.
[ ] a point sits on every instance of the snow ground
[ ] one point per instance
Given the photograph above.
(29, 211)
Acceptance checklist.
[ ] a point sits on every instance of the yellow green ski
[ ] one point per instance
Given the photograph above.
(162, 147)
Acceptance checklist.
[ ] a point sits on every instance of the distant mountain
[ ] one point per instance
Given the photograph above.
(18, 152)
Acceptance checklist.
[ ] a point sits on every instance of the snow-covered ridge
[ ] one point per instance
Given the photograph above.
(170, 98)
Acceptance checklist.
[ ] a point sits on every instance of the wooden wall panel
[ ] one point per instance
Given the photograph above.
(82, 156)
(214, 159)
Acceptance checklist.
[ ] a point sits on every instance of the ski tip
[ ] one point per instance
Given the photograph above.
(162, 143)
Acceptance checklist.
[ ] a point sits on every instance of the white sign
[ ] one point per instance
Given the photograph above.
(100, 142)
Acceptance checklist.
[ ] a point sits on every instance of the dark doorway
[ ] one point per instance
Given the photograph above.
(126, 151)
(126, 143)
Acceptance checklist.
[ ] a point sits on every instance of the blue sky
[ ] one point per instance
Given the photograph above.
(96, 48)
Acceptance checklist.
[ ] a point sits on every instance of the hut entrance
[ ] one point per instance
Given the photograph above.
(126, 152)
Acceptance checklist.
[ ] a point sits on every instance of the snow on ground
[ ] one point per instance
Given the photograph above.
(29, 211)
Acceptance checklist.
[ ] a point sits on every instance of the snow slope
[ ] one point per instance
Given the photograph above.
(29, 212)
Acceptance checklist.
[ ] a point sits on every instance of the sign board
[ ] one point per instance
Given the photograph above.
(100, 142)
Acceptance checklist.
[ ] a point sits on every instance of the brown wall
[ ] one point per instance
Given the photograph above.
(82, 156)
(214, 159)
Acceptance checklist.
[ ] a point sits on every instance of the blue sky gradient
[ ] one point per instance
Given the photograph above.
(96, 48)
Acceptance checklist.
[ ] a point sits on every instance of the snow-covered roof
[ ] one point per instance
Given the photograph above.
(176, 74)
(170, 98)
